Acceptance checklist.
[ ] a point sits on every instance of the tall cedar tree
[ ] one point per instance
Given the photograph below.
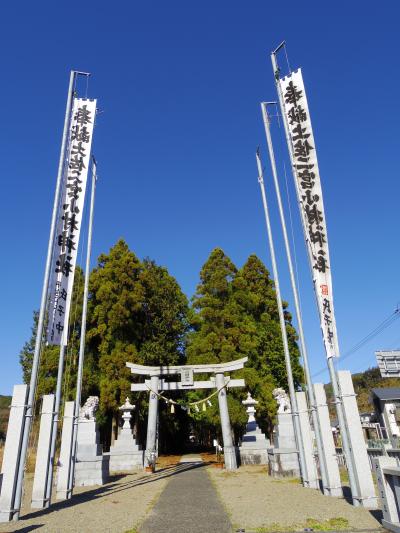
(138, 313)
(266, 368)
(222, 331)
(237, 316)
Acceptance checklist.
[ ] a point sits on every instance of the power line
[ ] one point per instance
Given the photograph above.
(371, 335)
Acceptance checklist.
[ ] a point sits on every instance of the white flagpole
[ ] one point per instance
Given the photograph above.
(43, 304)
(332, 370)
(83, 331)
(292, 393)
(50, 467)
(57, 404)
(304, 353)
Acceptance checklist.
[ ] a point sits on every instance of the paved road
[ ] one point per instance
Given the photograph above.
(188, 504)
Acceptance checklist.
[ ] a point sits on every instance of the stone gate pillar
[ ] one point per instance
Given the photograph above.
(12, 448)
(229, 449)
(152, 420)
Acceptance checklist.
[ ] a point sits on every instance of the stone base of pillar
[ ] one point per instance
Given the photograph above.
(126, 462)
(93, 471)
(390, 526)
(39, 500)
(254, 456)
(6, 516)
(310, 476)
(333, 483)
(284, 433)
(146, 458)
(39, 504)
(91, 467)
(64, 461)
(283, 462)
(366, 495)
(11, 451)
(63, 494)
(230, 458)
(336, 492)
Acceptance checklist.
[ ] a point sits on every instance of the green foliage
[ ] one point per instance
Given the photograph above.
(26, 354)
(237, 316)
(164, 317)
(138, 313)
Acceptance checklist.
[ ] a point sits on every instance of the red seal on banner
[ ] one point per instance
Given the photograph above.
(324, 290)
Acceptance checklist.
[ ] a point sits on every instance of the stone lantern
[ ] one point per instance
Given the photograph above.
(249, 402)
(125, 454)
(254, 447)
(126, 409)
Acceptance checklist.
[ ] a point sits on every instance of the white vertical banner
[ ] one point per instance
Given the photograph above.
(309, 194)
(70, 218)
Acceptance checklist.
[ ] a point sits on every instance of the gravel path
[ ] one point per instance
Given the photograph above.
(254, 500)
(115, 507)
(189, 504)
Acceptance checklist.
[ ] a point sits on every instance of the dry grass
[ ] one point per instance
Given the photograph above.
(165, 461)
(209, 458)
(30, 463)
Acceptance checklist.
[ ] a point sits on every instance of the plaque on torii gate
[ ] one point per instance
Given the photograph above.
(219, 381)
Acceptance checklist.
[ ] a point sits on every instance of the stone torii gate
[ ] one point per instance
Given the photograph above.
(219, 381)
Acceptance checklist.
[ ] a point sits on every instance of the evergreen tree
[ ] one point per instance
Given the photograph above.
(237, 316)
(48, 369)
(26, 354)
(266, 368)
(165, 317)
(260, 303)
(115, 303)
(222, 331)
(139, 314)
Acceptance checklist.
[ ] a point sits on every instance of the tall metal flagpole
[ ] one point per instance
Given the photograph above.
(310, 390)
(83, 330)
(331, 367)
(50, 467)
(57, 404)
(43, 304)
(292, 393)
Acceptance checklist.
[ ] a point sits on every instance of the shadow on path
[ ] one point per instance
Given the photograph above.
(112, 488)
(30, 528)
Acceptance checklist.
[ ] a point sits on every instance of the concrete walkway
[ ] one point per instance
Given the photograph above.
(188, 504)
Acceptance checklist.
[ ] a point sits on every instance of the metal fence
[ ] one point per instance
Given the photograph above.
(373, 452)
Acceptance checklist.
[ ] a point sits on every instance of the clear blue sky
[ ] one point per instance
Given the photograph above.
(179, 84)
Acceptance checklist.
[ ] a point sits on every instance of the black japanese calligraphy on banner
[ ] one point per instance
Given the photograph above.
(309, 194)
(70, 218)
